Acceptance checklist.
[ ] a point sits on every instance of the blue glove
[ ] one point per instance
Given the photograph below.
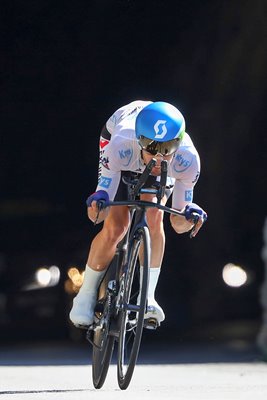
(194, 208)
(97, 196)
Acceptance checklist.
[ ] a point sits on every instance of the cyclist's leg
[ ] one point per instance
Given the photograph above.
(156, 229)
(157, 234)
(101, 253)
(104, 245)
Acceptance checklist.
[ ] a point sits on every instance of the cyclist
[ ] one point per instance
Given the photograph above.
(132, 136)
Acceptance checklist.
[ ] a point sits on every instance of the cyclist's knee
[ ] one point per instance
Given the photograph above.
(114, 232)
(155, 220)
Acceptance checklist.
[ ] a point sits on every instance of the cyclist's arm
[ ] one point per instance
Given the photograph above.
(109, 182)
(108, 178)
(183, 195)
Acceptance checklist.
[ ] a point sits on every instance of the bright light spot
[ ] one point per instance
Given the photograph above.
(233, 275)
(76, 276)
(43, 276)
(47, 276)
(55, 275)
(73, 284)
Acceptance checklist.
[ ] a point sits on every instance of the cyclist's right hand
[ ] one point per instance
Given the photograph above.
(96, 212)
(97, 196)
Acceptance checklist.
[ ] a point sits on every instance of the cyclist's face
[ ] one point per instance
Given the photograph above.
(159, 157)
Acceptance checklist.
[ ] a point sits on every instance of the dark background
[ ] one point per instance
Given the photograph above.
(66, 66)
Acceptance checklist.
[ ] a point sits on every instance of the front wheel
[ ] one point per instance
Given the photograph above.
(103, 342)
(132, 309)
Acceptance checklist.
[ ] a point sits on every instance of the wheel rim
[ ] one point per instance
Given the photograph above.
(131, 321)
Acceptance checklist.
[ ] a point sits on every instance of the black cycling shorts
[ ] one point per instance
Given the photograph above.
(150, 183)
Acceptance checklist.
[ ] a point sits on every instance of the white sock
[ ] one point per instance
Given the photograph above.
(91, 280)
(153, 280)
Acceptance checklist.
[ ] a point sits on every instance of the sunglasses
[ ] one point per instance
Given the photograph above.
(153, 147)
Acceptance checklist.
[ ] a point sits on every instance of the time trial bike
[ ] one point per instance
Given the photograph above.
(122, 295)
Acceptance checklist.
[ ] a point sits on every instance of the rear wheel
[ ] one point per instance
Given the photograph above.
(132, 307)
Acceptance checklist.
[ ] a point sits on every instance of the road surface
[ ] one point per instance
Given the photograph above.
(48, 371)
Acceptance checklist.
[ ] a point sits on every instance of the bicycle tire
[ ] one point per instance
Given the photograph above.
(132, 322)
(103, 342)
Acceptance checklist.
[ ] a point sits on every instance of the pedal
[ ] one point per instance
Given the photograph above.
(151, 323)
(99, 307)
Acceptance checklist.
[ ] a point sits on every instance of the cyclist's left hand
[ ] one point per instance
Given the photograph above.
(192, 209)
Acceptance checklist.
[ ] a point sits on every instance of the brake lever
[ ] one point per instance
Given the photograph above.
(195, 219)
(101, 205)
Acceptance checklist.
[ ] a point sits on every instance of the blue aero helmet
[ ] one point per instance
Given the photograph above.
(160, 128)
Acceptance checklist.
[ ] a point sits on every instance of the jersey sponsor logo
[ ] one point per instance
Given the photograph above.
(103, 143)
(181, 164)
(105, 162)
(126, 156)
(129, 113)
(104, 182)
(196, 178)
(188, 196)
(160, 129)
(100, 169)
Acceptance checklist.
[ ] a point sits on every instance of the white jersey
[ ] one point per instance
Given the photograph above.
(122, 153)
